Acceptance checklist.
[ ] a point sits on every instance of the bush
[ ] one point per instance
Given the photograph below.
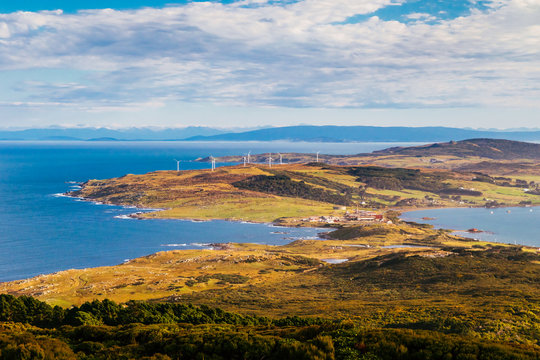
(282, 185)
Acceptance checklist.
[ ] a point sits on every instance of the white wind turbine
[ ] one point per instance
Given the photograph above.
(270, 160)
(249, 157)
(213, 160)
(245, 159)
(318, 156)
(177, 165)
(280, 159)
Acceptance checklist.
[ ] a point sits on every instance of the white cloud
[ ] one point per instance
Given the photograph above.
(255, 53)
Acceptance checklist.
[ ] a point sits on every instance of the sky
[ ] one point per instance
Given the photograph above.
(249, 63)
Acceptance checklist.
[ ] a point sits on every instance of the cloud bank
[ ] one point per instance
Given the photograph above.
(302, 54)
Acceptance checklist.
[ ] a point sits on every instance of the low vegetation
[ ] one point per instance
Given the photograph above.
(283, 185)
(105, 330)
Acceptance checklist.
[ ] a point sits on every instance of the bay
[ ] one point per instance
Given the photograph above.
(511, 225)
(41, 232)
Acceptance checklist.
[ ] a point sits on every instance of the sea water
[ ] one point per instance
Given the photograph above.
(43, 232)
(516, 225)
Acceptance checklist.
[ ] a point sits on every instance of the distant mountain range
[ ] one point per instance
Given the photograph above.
(288, 133)
(368, 133)
(104, 134)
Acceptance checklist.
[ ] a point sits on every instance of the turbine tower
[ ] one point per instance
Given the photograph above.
(270, 160)
(249, 157)
(318, 156)
(245, 159)
(177, 165)
(280, 159)
(213, 160)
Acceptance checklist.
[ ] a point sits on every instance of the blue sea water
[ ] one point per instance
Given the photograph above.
(515, 225)
(43, 233)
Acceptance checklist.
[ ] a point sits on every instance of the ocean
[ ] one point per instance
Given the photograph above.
(42, 232)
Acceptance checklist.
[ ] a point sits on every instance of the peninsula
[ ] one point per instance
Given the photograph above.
(473, 173)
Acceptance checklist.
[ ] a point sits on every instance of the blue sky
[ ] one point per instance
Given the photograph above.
(74, 5)
(267, 62)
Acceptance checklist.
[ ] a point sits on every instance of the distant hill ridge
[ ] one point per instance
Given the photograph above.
(104, 134)
(367, 134)
(499, 149)
(325, 133)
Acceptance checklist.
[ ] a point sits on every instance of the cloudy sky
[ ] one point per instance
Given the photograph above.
(269, 62)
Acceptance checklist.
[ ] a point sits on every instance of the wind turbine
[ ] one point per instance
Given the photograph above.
(249, 157)
(270, 160)
(213, 162)
(245, 159)
(280, 159)
(177, 165)
(318, 156)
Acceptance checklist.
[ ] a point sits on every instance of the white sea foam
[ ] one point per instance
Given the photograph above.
(60, 195)
(125, 217)
(201, 244)
(174, 245)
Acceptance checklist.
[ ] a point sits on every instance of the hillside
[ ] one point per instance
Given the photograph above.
(498, 149)
(366, 133)
(496, 157)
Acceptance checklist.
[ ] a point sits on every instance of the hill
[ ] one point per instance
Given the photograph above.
(367, 133)
(495, 157)
(487, 148)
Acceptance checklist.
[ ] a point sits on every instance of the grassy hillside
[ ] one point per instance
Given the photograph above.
(490, 156)
(486, 148)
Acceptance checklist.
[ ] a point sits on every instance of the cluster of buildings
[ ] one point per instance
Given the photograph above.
(349, 216)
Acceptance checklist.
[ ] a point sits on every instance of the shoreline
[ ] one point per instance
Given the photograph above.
(212, 246)
(139, 215)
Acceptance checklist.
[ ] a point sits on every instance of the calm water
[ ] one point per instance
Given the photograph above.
(506, 225)
(43, 233)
